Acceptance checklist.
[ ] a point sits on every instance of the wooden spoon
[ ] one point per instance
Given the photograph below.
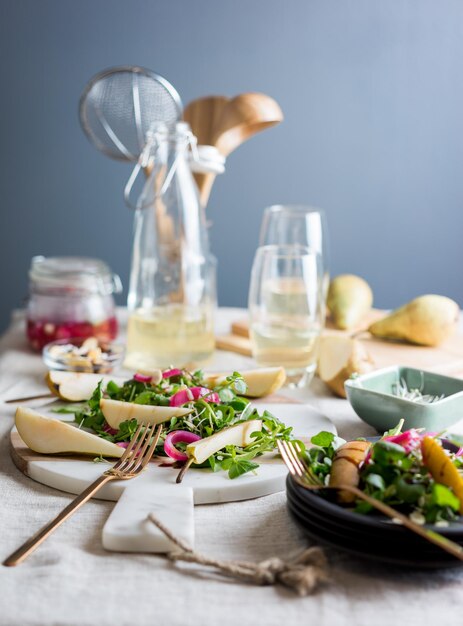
(202, 115)
(244, 116)
(226, 124)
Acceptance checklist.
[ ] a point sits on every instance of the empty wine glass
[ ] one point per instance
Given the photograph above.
(286, 307)
(297, 224)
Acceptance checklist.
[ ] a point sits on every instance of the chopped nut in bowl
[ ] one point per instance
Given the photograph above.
(83, 355)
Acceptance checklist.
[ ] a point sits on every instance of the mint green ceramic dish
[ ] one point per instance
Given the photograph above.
(372, 398)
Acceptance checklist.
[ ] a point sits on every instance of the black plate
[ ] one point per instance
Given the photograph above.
(406, 542)
(442, 560)
(374, 523)
(372, 537)
(409, 548)
(387, 532)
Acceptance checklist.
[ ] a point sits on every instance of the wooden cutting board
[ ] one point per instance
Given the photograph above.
(444, 359)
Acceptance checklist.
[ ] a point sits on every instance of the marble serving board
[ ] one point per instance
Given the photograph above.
(74, 474)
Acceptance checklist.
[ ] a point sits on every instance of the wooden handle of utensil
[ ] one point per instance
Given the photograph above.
(204, 183)
(31, 544)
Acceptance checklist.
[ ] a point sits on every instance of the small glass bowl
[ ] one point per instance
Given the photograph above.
(72, 356)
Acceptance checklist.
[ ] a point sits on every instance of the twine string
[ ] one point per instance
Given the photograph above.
(302, 574)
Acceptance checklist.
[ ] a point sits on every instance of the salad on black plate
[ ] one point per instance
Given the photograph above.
(416, 472)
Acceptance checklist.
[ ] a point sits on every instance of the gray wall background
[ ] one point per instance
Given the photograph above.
(373, 98)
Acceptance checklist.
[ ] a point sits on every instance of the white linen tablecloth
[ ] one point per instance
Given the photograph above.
(71, 580)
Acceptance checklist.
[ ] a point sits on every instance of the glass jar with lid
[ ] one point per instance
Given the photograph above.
(70, 297)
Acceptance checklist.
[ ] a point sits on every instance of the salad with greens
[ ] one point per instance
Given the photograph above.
(418, 473)
(233, 433)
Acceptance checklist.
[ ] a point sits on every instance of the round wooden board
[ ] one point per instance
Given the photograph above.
(74, 474)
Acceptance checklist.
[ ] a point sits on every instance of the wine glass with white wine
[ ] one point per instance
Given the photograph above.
(286, 307)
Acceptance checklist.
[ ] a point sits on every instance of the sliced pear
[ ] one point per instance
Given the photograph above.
(116, 412)
(76, 386)
(238, 435)
(50, 436)
(260, 382)
(339, 358)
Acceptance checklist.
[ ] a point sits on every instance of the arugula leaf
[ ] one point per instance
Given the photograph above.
(387, 452)
(94, 402)
(226, 394)
(443, 496)
(408, 491)
(377, 481)
(323, 439)
(112, 389)
(70, 408)
(239, 467)
(394, 431)
(126, 430)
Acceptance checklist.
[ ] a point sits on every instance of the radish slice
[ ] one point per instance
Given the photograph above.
(193, 393)
(111, 431)
(171, 373)
(142, 378)
(178, 436)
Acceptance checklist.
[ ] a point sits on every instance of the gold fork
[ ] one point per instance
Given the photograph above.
(135, 458)
(300, 471)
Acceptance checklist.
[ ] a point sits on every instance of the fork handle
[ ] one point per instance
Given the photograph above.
(31, 544)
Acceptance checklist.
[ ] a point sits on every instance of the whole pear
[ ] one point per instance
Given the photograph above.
(427, 321)
(349, 299)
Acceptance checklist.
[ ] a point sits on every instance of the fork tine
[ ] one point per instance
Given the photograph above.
(129, 448)
(129, 462)
(143, 451)
(301, 458)
(282, 447)
(296, 460)
(147, 457)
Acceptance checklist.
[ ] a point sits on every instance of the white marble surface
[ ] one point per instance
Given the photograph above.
(73, 580)
(208, 487)
(128, 528)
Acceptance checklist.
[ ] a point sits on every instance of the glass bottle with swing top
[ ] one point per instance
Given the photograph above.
(172, 292)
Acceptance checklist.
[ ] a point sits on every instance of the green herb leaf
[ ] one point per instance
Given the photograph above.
(240, 467)
(394, 431)
(70, 408)
(94, 402)
(126, 430)
(387, 453)
(324, 439)
(377, 481)
(407, 491)
(443, 496)
(112, 388)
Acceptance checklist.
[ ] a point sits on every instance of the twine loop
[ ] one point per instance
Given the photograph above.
(302, 574)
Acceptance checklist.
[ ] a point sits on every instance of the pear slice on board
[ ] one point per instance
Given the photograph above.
(238, 435)
(116, 412)
(49, 436)
(339, 358)
(76, 386)
(260, 382)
